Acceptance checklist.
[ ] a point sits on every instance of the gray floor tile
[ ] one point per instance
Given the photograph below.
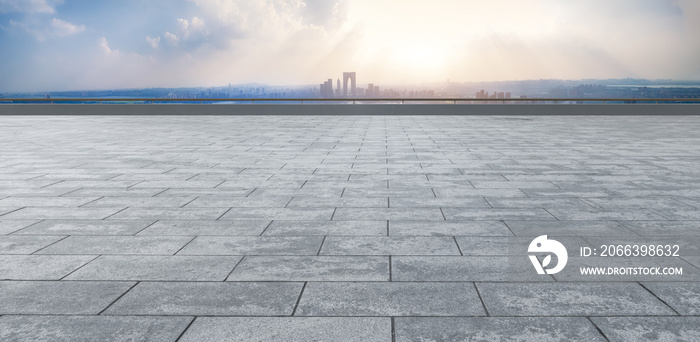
(40, 267)
(538, 202)
(437, 228)
(454, 192)
(68, 202)
(312, 268)
(322, 214)
(11, 226)
(525, 329)
(58, 298)
(634, 329)
(683, 297)
(52, 213)
(340, 202)
(463, 268)
(207, 298)
(292, 329)
(390, 299)
(239, 202)
(327, 228)
(389, 245)
(441, 202)
(253, 245)
(458, 214)
(153, 268)
(15, 244)
(85, 227)
(664, 228)
(91, 328)
(374, 214)
(141, 202)
(602, 215)
(657, 203)
(164, 245)
(170, 214)
(568, 228)
(195, 227)
(567, 299)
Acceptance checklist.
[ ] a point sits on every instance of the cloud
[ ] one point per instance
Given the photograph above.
(153, 41)
(63, 28)
(172, 38)
(42, 30)
(193, 27)
(29, 6)
(104, 46)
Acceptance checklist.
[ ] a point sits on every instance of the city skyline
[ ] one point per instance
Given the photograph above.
(54, 45)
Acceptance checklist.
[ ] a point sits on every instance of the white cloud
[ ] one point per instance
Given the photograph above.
(29, 6)
(42, 30)
(172, 38)
(153, 41)
(192, 28)
(104, 46)
(63, 28)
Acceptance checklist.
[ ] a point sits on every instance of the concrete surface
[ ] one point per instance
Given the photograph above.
(345, 227)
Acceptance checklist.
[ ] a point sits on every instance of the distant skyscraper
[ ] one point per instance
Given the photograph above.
(370, 90)
(337, 88)
(353, 84)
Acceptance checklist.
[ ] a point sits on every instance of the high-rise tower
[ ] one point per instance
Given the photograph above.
(353, 84)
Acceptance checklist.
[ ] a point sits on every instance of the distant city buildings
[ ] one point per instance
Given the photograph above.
(349, 89)
(496, 95)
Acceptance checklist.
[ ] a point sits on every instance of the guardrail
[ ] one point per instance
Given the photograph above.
(346, 100)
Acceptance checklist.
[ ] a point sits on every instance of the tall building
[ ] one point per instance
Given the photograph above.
(337, 89)
(370, 90)
(353, 84)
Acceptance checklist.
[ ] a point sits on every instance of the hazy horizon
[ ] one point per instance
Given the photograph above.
(68, 45)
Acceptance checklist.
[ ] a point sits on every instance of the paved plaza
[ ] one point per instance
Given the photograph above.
(345, 227)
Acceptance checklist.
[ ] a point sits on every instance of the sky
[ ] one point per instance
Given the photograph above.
(53, 45)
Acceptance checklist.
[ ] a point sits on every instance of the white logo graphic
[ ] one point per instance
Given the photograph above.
(543, 245)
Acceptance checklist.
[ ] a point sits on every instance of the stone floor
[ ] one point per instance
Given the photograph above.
(344, 228)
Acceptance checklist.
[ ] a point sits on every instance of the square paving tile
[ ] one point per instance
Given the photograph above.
(312, 268)
(85, 227)
(58, 297)
(208, 298)
(292, 329)
(164, 245)
(153, 268)
(91, 328)
(40, 267)
(528, 329)
(632, 329)
(444, 228)
(390, 299)
(11, 226)
(567, 299)
(385, 245)
(253, 245)
(15, 244)
(683, 297)
(196, 227)
(291, 228)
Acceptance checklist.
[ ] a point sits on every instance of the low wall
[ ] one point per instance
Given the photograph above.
(349, 109)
